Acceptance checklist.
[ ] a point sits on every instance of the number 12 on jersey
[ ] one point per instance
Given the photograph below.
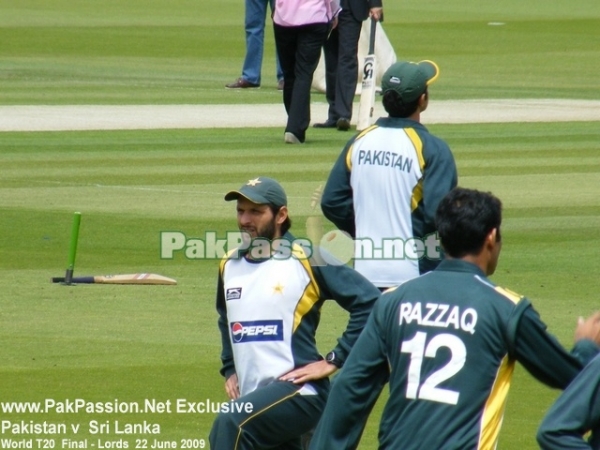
(419, 348)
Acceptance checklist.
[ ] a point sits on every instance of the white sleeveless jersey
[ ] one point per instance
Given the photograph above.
(265, 303)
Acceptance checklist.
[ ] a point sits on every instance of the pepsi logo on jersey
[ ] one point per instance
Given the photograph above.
(258, 330)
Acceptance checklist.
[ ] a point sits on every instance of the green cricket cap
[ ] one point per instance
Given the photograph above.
(262, 191)
(409, 79)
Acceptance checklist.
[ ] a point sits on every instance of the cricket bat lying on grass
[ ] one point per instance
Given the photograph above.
(135, 278)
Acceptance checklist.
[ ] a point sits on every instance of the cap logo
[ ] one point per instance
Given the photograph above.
(395, 80)
(253, 182)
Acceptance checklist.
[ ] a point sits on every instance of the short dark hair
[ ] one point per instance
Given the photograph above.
(287, 223)
(464, 218)
(395, 106)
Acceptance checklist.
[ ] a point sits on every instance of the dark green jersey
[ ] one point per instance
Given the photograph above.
(576, 412)
(448, 341)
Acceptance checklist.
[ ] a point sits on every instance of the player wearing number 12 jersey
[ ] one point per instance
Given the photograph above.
(448, 341)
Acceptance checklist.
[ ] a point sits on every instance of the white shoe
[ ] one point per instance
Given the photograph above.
(290, 138)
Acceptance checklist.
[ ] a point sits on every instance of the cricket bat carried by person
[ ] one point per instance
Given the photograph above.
(135, 278)
(367, 95)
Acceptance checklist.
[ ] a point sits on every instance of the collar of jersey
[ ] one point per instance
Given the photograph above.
(459, 265)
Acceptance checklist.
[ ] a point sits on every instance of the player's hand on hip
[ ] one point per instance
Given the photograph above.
(588, 328)
(232, 388)
(312, 371)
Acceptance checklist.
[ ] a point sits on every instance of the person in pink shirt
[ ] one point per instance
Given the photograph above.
(301, 29)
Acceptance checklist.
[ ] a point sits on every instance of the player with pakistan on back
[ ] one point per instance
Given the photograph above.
(449, 341)
(388, 180)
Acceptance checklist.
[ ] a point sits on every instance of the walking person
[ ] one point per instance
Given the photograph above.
(301, 28)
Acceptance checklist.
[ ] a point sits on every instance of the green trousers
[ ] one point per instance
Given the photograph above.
(280, 416)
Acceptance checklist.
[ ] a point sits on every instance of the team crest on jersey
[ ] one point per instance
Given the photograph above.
(257, 330)
(233, 294)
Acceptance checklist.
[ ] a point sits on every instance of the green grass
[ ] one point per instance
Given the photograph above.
(85, 52)
(102, 343)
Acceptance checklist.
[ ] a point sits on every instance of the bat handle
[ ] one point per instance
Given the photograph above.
(372, 36)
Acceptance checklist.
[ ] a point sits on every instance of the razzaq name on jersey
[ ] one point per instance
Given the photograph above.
(439, 315)
(258, 330)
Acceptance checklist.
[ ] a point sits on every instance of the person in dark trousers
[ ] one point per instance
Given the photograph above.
(341, 60)
(301, 28)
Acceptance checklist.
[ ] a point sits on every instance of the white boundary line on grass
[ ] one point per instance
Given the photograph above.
(139, 117)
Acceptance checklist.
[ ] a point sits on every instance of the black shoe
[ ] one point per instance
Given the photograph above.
(327, 124)
(343, 124)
